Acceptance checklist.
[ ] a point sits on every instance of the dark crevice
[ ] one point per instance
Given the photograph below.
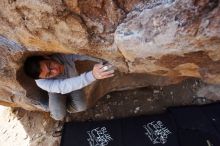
(124, 59)
(119, 6)
(37, 97)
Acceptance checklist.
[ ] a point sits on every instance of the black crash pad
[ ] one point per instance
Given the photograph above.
(178, 126)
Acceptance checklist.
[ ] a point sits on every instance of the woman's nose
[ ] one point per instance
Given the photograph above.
(53, 70)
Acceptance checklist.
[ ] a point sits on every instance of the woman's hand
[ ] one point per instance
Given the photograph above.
(101, 71)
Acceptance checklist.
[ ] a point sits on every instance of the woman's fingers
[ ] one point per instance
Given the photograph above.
(98, 66)
(101, 71)
(107, 76)
(104, 73)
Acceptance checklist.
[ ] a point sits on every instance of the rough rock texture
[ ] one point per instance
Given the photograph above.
(179, 38)
(151, 42)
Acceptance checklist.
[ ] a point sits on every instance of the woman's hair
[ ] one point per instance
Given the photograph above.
(32, 66)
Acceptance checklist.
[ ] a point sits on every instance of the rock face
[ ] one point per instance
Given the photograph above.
(150, 42)
(173, 39)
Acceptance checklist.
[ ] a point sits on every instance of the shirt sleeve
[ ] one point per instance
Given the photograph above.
(65, 86)
(76, 57)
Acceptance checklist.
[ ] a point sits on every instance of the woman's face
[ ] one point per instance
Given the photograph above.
(50, 68)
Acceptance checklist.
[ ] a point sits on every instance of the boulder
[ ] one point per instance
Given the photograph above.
(150, 42)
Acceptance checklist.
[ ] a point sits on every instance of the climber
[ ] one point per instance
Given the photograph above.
(57, 75)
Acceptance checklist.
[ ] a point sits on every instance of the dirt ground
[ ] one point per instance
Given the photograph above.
(23, 128)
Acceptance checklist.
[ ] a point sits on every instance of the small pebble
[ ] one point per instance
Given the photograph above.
(26, 136)
(108, 96)
(38, 135)
(97, 115)
(136, 109)
(135, 101)
(156, 91)
(149, 99)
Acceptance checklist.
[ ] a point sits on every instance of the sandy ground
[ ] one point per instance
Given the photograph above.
(24, 128)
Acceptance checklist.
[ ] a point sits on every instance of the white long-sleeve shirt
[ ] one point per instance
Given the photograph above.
(70, 80)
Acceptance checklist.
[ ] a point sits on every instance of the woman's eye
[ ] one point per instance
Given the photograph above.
(49, 65)
(49, 73)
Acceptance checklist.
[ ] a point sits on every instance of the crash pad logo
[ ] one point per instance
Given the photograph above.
(157, 132)
(99, 137)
